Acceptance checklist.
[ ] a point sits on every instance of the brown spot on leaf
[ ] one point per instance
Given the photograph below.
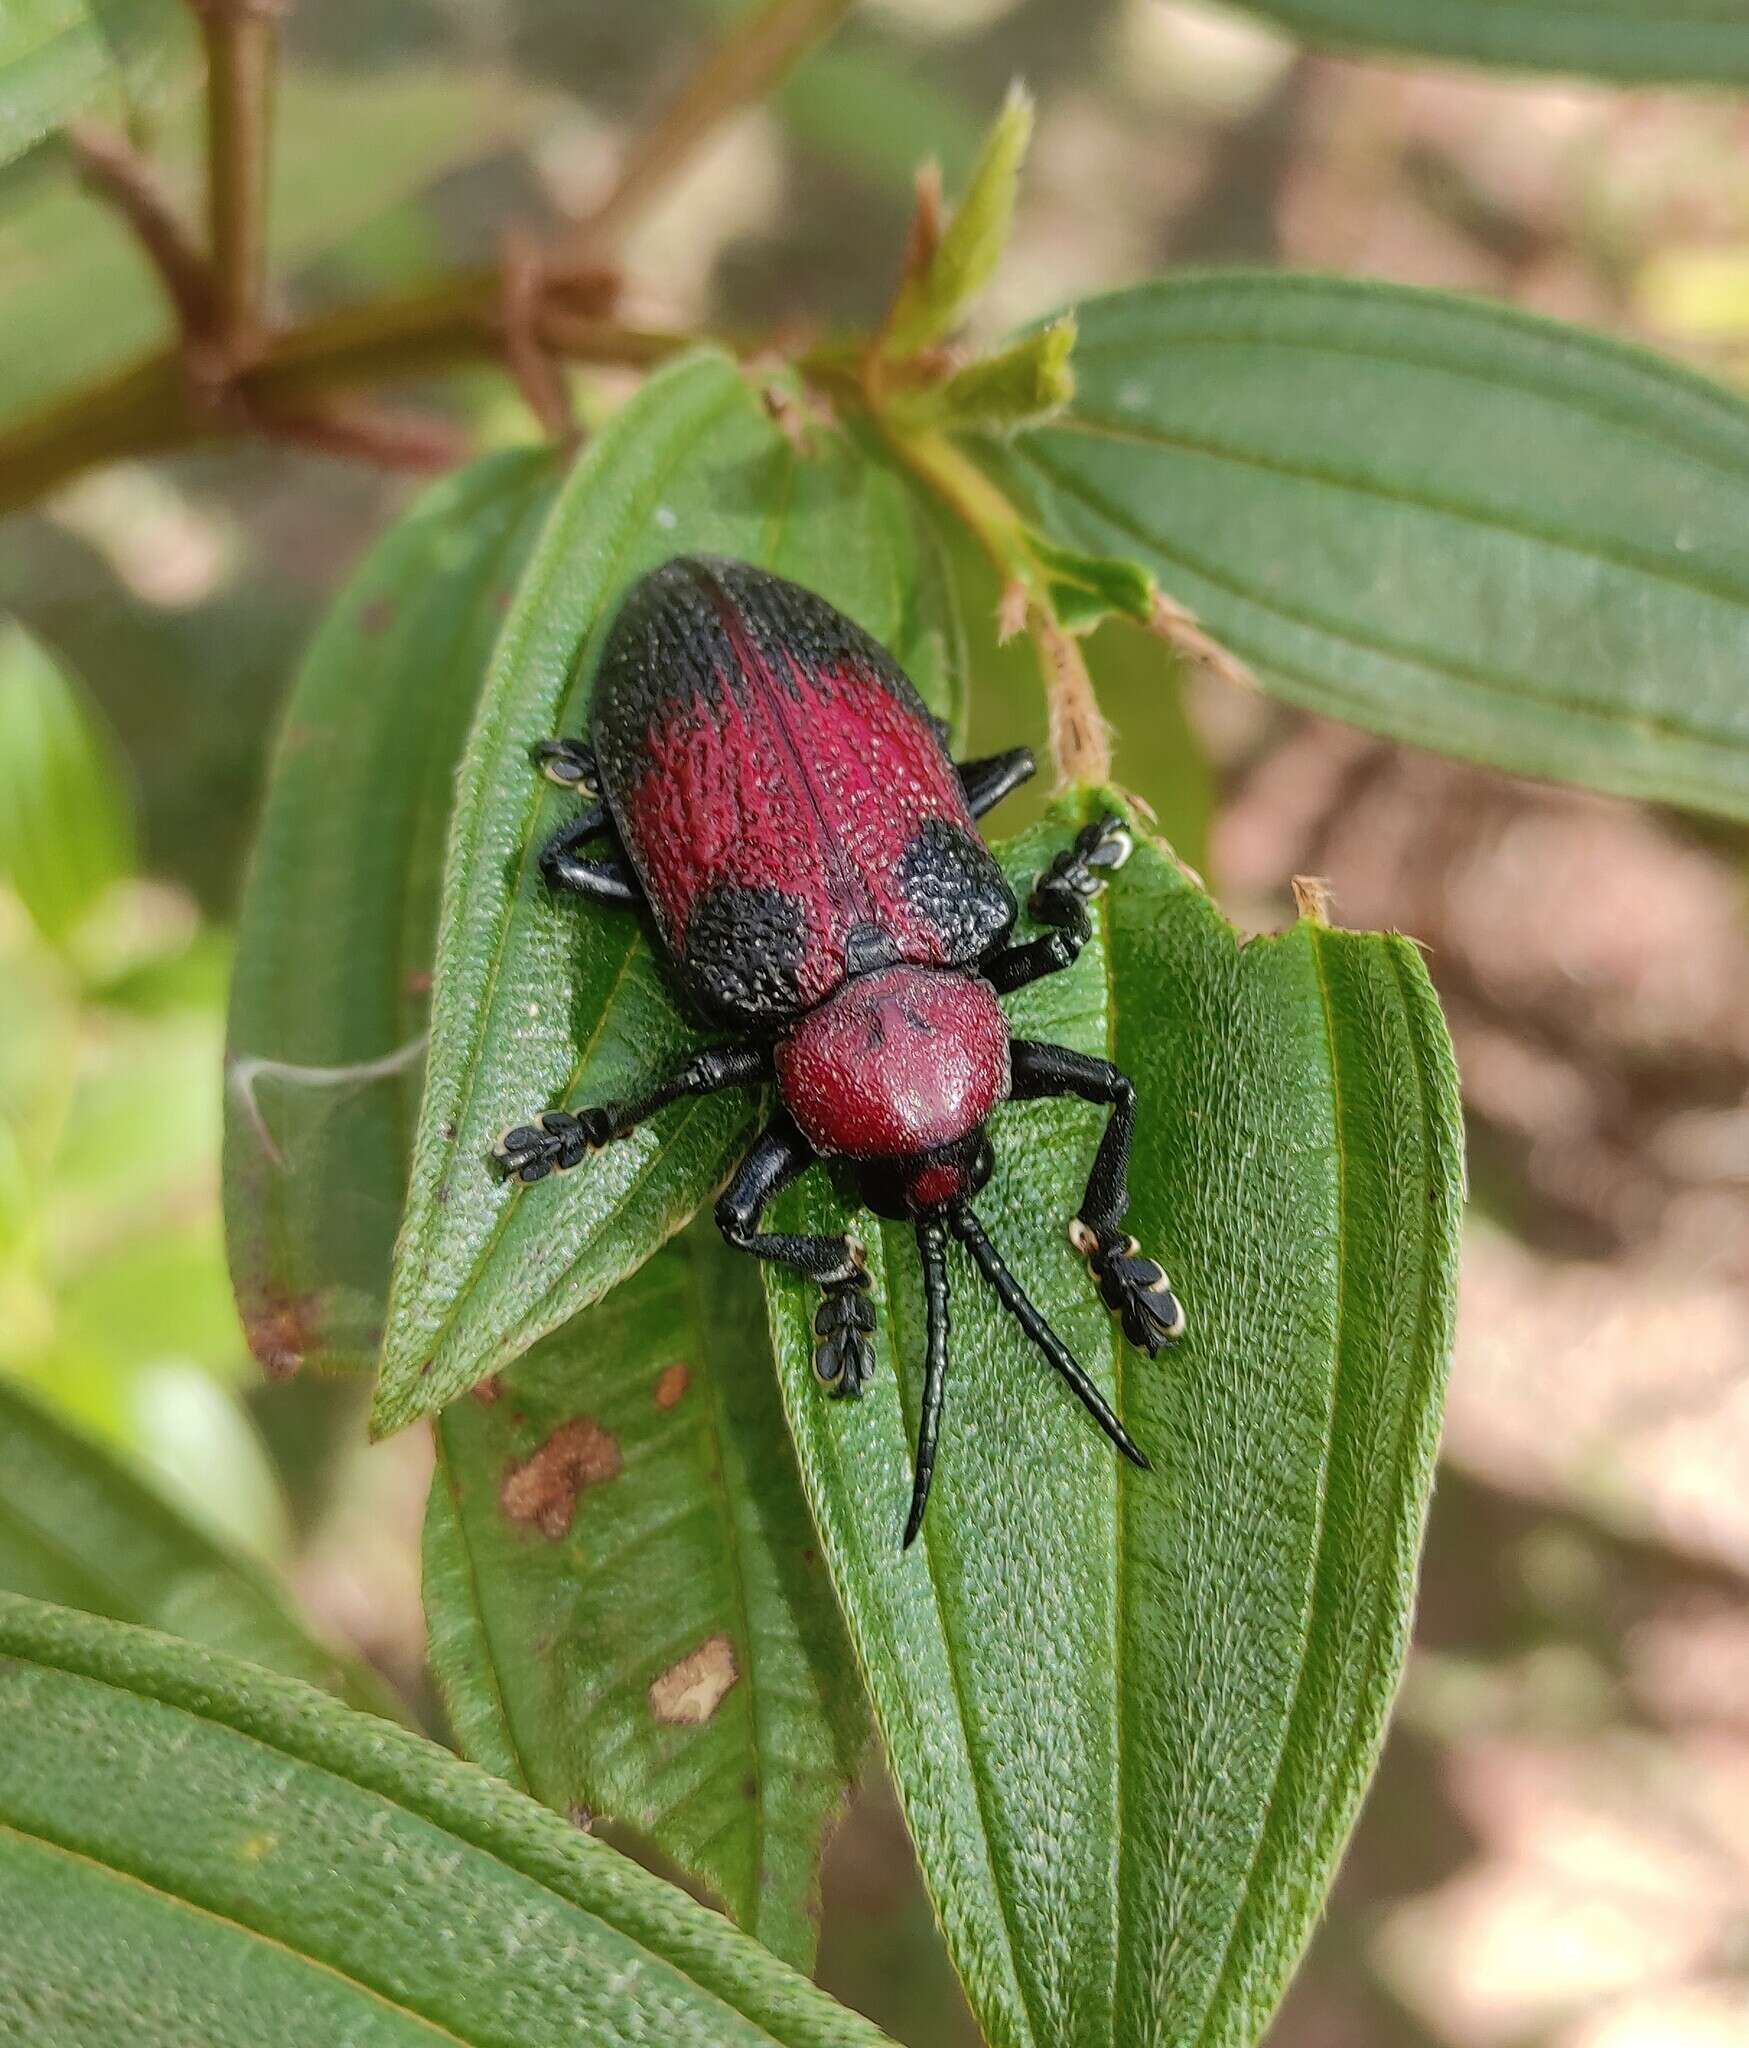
(582, 1818)
(689, 1693)
(418, 983)
(671, 1384)
(377, 616)
(541, 1490)
(488, 1390)
(282, 1330)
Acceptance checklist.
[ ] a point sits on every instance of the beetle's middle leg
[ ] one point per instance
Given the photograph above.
(844, 1354)
(561, 1138)
(1135, 1288)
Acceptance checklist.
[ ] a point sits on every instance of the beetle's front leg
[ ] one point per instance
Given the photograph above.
(1059, 899)
(1134, 1287)
(559, 1139)
(845, 1320)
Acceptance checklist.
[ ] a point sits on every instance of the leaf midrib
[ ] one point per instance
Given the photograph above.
(1588, 548)
(1315, 1569)
(1518, 689)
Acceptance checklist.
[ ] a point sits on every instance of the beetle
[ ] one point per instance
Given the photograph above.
(763, 779)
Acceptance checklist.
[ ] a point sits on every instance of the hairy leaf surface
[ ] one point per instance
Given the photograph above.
(192, 1850)
(1131, 1715)
(541, 1002)
(1433, 517)
(628, 1611)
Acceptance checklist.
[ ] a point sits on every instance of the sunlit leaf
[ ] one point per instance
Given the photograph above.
(331, 992)
(541, 1002)
(192, 1850)
(1130, 1714)
(59, 56)
(66, 817)
(628, 1613)
(77, 1527)
(1432, 517)
(1699, 42)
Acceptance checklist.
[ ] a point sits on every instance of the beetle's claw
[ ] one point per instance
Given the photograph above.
(556, 1141)
(1134, 1288)
(844, 1357)
(1078, 873)
(1106, 845)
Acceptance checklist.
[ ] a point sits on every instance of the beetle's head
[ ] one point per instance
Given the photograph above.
(896, 1072)
(928, 1182)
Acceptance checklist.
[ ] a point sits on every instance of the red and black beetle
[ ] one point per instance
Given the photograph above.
(775, 794)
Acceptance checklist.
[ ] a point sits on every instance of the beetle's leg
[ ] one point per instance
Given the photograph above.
(569, 763)
(844, 1355)
(1060, 898)
(988, 781)
(988, 1260)
(1134, 1287)
(604, 876)
(562, 1138)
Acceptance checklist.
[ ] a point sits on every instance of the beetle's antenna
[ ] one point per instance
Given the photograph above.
(970, 1232)
(932, 1249)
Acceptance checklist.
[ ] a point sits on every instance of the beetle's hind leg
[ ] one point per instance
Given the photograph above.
(845, 1320)
(1133, 1287)
(603, 877)
(559, 1139)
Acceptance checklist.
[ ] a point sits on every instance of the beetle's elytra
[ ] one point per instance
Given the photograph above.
(764, 780)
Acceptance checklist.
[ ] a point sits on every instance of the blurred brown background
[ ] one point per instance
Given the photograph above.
(1556, 1852)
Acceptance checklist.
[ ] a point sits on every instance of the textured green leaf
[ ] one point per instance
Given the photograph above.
(77, 1527)
(934, 297)
(1432, 517)
(1700, 42)
(58, 56)
(331, 992)
(628, 1614)
(66, 817)
(1131, 1715)
(191, 1850)
(540, 1002)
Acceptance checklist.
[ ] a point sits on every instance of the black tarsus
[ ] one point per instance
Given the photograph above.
(844, 1356)
(569, 763)
(986, 782)
(563, 1138)
(1059, 899)
(932, 1250)
(1135, 1288)
(966, 1227)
